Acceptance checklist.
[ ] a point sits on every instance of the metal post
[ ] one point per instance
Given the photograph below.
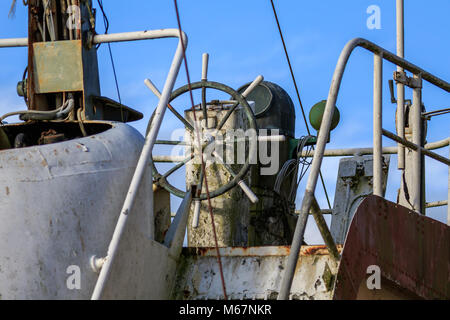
(416, 179)
(400, 86)
(377, 124)
(448, 198)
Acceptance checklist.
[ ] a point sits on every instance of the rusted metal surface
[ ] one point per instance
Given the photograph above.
(411, 250)
(254, 273)
(58, 66)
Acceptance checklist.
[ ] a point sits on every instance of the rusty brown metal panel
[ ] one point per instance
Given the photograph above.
(411, 250)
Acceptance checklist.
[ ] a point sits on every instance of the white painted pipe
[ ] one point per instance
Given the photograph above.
(16, 42)
(205, 59)
(416, 119)
(152, 88)
(363, 151)
(448, 198)
(196, 217)
(248, 192)
(400, 86)
(138, 35)
(277, 138)
(149, 140)
(377, 125)
(252, 86)
(158, 158)
(435, 204)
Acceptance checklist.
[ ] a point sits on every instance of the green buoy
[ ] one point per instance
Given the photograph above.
(316, 115)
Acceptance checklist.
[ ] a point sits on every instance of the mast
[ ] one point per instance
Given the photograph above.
(62, 62)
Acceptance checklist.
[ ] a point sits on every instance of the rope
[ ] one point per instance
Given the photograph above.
(219, 260)
(298, 94)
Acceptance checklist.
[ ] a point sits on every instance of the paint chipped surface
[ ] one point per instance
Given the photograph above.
(254, 273)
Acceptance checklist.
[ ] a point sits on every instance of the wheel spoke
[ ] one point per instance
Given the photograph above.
(225, 165)
(200, 184)
(178, 166)
(205, 112)
(181, 118)
(228, 114)
(172, 142)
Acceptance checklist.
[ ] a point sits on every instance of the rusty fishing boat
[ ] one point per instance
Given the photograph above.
(85, 203)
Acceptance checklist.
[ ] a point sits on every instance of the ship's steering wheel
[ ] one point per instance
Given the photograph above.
(236, 178)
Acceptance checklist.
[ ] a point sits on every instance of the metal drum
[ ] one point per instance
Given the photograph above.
(59, 205)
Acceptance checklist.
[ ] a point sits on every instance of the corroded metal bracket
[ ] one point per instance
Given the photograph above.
(413, 83)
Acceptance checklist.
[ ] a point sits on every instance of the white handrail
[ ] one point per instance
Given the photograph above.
(369, 150)
(323, 138)
(149, 140)
(13, 42)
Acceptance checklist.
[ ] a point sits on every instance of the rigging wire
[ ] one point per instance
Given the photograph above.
(106, 24)
(219, 260)
(290, 170)
(298, 94)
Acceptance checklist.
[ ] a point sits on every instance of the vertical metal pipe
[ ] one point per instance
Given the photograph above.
(151, 198)
(400, 86)
(205, 59)
(377, 124)
(416, 116)
(448, 197)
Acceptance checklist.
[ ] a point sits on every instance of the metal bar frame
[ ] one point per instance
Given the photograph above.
(324, 132)
(367, 151)
(377, 124)
(400, 86)
(415, 147)
(14, 43)
(435, 204)
(149, 140)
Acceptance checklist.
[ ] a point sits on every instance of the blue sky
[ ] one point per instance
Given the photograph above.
(242, 40)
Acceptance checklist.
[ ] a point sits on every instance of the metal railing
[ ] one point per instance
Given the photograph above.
(309, 200)
(150, 139)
